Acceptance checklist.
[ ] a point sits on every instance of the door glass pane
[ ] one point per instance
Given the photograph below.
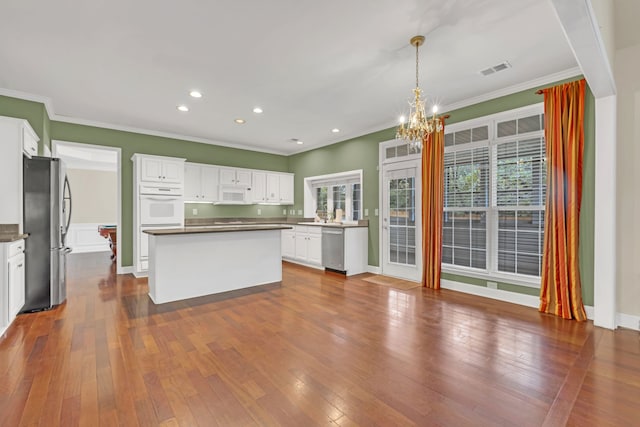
(402, 221)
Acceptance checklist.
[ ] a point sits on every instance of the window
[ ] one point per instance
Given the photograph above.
(327, 193)
(494, 195)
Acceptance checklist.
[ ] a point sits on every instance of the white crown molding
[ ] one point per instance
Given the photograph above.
(551, 78)
(541, 81)
(48, 103)
(509, 90)
(161, 134)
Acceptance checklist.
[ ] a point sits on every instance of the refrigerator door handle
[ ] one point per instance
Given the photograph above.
(66, 195)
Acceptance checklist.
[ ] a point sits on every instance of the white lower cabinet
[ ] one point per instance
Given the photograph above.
(12, 270)
(303, 244)
(288, 244)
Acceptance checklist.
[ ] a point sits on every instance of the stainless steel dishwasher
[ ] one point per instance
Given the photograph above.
(333, 248)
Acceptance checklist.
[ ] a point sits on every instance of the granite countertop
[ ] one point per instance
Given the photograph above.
(215, 229)
(207, 222)
(334, 224)
(9, 233)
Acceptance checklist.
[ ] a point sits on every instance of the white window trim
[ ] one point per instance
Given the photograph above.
(491, 244)
(340, 178)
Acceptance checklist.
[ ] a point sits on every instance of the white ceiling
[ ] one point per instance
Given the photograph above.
(311, 66)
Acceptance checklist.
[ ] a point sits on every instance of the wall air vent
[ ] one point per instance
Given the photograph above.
(499, 67)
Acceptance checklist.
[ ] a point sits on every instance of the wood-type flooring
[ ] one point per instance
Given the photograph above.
(317, 349)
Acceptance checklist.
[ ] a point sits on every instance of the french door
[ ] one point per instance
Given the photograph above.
(402, 220)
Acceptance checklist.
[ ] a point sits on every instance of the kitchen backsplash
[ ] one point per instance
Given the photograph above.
(209, 210)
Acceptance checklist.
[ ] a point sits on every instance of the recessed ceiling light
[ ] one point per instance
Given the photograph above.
(195, 94)
(257, 110)
(239, 121)
(299, 142)
(183, 108)
(335, 130)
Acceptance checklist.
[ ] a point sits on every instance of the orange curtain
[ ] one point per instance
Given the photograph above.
(560, 291)
(432, 207)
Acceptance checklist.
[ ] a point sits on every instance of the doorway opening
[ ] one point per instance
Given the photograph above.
(94, 174)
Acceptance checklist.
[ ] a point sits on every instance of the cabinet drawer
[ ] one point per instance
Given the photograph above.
(16, 248)
(314, 229)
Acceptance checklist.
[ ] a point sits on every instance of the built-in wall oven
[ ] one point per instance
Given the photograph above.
(161, 206)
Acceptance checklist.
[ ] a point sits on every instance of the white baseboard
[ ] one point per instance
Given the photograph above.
(628, 321)
(126, 270)
(293, 261)
(373, 269)
(512, 297)
(139, 274)
(84, 237)
(497, 294)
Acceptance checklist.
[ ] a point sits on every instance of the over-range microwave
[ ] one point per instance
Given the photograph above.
(230, 194)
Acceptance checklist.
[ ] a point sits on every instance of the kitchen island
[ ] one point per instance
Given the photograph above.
(196, 261)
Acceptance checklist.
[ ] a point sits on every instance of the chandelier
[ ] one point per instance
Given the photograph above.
(419, 125)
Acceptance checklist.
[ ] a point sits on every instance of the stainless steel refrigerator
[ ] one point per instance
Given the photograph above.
(47, 213)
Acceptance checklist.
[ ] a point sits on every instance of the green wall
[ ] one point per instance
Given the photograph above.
(34, 112)
(362, 153)
(353, 154)
(131, 143)
(356, 153)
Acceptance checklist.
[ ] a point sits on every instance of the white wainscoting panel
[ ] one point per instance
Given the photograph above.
(85, 238)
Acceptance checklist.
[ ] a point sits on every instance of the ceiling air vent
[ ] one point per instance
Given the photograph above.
(499, 67)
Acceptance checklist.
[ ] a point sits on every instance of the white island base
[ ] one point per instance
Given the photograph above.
(188, 265)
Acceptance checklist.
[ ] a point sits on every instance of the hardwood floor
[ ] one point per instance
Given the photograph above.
(318, 349)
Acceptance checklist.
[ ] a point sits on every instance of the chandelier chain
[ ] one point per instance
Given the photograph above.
(417, 63)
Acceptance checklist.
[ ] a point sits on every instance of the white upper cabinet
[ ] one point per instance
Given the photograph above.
(285, 186)
(200, 183)
(259, 187)
(233, 176)
(156, 169)
(272, 187)
(227, 185)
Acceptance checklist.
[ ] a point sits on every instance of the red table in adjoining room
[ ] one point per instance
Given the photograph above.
(109, 232)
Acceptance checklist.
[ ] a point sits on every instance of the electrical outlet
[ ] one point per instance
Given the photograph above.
(194, 211)
(376, 212)
(492, 285)
(366, 212)
(259, 211)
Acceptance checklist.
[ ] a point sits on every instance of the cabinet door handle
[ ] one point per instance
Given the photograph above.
(20, 265)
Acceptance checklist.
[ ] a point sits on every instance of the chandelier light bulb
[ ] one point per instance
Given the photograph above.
(435, 109)
(402, 119)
